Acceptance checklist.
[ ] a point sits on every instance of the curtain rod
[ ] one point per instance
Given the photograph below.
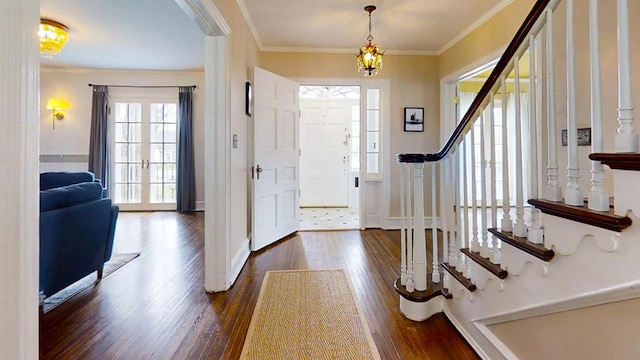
(142, 86)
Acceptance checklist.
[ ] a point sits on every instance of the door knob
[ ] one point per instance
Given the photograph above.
(258, 171)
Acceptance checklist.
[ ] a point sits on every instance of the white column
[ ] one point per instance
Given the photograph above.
(435, 274)
(553, 191)
(626, 140)
(466, 240)
(598, 199)
(475, 244)
(534, 234)
(519, 227)
(410, 227)
(572, 193)
(420, 244)
(484, 250)
(507, 223)
(493, 243)
(19, 106)
(403, 228)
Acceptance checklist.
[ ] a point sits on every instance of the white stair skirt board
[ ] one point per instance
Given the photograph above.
(420, 311)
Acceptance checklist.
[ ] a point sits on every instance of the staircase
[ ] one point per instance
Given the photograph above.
(490, 258)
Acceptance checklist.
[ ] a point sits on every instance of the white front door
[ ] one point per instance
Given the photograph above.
(275, 196)
(324, 162)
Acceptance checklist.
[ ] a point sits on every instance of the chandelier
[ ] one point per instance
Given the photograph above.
(53, 36)
(370, 55)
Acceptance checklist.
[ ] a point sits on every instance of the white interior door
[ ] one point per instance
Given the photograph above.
(275, 195)
(324, 161)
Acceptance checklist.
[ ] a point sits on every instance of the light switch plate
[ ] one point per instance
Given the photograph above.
(235, 141)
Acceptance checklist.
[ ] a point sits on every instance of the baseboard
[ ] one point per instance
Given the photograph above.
(199, 205)
(465, 334)
(238, 261)
(394, 223)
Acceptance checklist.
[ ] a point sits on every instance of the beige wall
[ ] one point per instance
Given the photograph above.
(71, 135)
(244, 56)
(608, 331)
(413, 83)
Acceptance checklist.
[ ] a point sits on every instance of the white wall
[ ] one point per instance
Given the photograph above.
(71, 135)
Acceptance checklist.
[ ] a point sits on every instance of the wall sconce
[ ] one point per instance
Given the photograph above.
(55, 105)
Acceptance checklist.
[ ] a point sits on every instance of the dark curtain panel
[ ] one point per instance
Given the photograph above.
(186, 181)
(99, 136)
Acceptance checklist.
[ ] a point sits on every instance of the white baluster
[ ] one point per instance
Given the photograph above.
(507, 223)
(435, 274)
(535, 234)
(484, 250)
(598, 198)
(410, 228)
(493, 243)
(626, 140)
(466, 226)
(420, 244)
(572, 193)
(553, 192)
(403, 229)
(443, 210)
(453, 209)
(475, 243)
(519, 228)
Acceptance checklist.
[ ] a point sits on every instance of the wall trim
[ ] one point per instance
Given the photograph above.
(68, 158)
(495, 341)
(200, 206)
(239, 260)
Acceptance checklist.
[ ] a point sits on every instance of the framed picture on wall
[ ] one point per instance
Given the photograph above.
(414, 119)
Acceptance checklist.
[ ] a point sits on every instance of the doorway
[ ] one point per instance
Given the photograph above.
(329, 157)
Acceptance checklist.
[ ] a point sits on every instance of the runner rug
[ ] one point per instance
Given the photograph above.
(308, 314)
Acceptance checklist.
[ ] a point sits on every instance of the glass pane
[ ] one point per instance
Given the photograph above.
(120, 193)
(156, 133)
(170, 114)
(372, 164)
(156, 153)
(355, 145)
(135, 193)
(155, 173)
(170, 173)
(135, 153)
(372, 141)
(373, 99)
(135, 132)
(169, 193)
(135, 112)
(155, 193)
(373, 122)
(170, 153)
(120, 173)
(121, 112)
(121, 132)
(120, 153)
(135, 173)
(355, 161)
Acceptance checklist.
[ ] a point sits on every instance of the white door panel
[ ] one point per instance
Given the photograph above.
(276, 159)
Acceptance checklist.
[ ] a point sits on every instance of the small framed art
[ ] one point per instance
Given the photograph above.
(248, 103)
(414, 119)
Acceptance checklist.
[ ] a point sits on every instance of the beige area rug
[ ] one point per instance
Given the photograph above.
(116, 262)
(308, 314)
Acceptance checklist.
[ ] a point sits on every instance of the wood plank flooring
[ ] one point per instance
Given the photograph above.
(155, 307)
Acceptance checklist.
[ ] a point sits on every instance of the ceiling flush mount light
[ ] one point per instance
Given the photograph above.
(56, 105)
(53, 36)
(370, 55)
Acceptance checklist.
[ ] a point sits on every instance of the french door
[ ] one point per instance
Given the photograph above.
(144, 148)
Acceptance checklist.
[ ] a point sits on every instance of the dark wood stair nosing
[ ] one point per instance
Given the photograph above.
(602, 219)
(460, 277)
(618, 161)
(495, 269)
(537, 250)
(432, 291)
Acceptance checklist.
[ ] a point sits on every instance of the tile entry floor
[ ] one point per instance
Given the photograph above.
(329, 218)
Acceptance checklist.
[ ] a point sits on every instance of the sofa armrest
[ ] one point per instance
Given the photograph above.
(50, 180)
(112, 232)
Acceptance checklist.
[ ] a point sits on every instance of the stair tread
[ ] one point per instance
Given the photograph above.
(602, 219)
(618, 161)
(466, 282)
(432, 291)
(537, 250)
(486, 263)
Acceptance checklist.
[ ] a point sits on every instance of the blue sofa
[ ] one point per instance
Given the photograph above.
(77, 228)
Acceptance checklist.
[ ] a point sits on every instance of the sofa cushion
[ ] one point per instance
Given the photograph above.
(49, 180)
(69, 195)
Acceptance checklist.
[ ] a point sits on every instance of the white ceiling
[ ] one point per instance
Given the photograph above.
(156, 35)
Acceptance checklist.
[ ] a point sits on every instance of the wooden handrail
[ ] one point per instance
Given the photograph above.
(466, 123)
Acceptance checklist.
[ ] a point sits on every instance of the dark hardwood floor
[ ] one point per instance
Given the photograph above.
(155, 307)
